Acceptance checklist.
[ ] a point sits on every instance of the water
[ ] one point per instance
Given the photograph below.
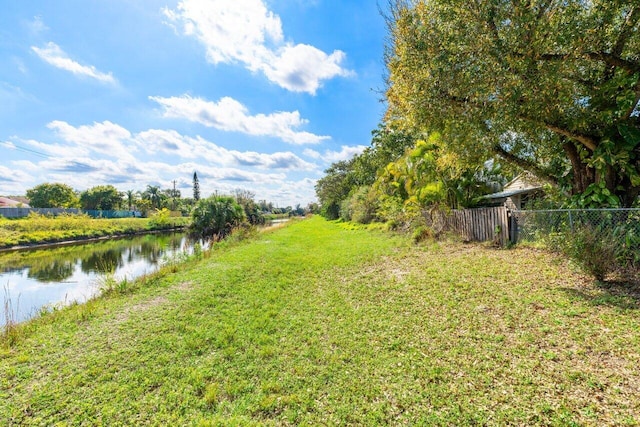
(37, 279)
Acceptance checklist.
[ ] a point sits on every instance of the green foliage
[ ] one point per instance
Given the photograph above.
(361, 206)
(38, 228)
(131, 198)
(101, 197)
(52, 196)
(597, 195)
(602, 244)
(216, 216)
(144, 206)
(252, 211)
(161, 219)
(154, 195)
(551, 87)
(196, 187)
(587, 248)
(343, 179)
(334, 187)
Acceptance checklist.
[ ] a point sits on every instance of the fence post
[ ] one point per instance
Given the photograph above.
(513, 228)
(570, 221)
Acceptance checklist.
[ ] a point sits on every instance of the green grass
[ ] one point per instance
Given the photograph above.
(36, 229)
(321, 323)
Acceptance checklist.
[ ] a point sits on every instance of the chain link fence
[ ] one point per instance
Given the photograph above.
(616, 230)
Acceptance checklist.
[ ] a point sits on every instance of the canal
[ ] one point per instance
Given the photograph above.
(41, 279)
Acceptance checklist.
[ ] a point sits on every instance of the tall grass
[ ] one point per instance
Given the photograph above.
(10, 330)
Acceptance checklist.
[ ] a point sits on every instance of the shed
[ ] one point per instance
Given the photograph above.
(517, 193)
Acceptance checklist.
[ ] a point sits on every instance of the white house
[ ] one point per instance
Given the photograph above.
(517, 193)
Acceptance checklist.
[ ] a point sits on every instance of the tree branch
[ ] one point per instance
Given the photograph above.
(614, 61)
(525, 164)
(627, 29)
(606, 57)
(585, 140)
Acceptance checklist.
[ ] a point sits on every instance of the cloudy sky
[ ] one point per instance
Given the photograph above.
(260, 95)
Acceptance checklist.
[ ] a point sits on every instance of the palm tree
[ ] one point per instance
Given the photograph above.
(153, 194)
(131, 198)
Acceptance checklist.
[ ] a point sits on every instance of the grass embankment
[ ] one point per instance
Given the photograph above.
(317, 324)
(38, 229)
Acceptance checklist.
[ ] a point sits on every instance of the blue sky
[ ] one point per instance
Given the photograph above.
(261, 95)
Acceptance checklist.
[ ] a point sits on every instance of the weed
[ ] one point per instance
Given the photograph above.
(108, 284)
(10, 328)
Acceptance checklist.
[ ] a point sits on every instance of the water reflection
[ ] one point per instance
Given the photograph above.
(36, 278)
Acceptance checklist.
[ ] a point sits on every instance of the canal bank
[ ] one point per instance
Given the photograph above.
(44, 278)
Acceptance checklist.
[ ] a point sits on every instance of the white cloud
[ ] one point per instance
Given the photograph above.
(37, 26)
(155, 157)
(54, 55)
(12, 176)
(346, 152)
(245, 31)
(301, 68)
(230, 115)
(106, 137)
(171, 142)
(60, 150)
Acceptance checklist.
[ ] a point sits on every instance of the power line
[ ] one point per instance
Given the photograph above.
(25, 149)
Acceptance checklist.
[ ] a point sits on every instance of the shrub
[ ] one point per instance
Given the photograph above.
(216, 216)
(595, 253)
(421, 233)
(160, 219)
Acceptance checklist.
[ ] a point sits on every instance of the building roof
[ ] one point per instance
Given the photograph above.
(521, 184)
(509, 193)
(5, 202)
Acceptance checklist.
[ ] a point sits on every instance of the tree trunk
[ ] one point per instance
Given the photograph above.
(583, 175)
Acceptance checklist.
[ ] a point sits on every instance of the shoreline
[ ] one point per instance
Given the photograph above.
(79, 240)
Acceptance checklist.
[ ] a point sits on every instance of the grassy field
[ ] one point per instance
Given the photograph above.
(37, 229)
(321, 323)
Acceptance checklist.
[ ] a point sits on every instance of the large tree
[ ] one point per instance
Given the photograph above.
(52, 195)
(551, 86)
(154, 195)
(101, 197)
(196, 187)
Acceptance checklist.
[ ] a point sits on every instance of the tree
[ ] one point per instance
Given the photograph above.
(196, 187)
(172, 194)
(131, 198)
(52, 196)
(101, 197)
(335, 187)
(216, 216)
(154, 196)
(552, 87)
(252, 211)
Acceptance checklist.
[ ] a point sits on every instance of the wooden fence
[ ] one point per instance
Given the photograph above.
(481, 225)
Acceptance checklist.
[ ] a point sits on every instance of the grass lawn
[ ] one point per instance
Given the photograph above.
(320, 323)
(38, 229)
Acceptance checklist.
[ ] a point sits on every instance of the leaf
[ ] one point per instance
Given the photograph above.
(630, 134)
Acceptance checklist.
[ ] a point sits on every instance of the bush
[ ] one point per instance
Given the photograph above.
(216, 216)
(160, 219)
(594, 252)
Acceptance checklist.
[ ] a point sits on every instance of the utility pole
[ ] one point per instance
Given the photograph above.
(174, 195)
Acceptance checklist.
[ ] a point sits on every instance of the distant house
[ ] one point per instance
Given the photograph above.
(517, 193)
(10, 203)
